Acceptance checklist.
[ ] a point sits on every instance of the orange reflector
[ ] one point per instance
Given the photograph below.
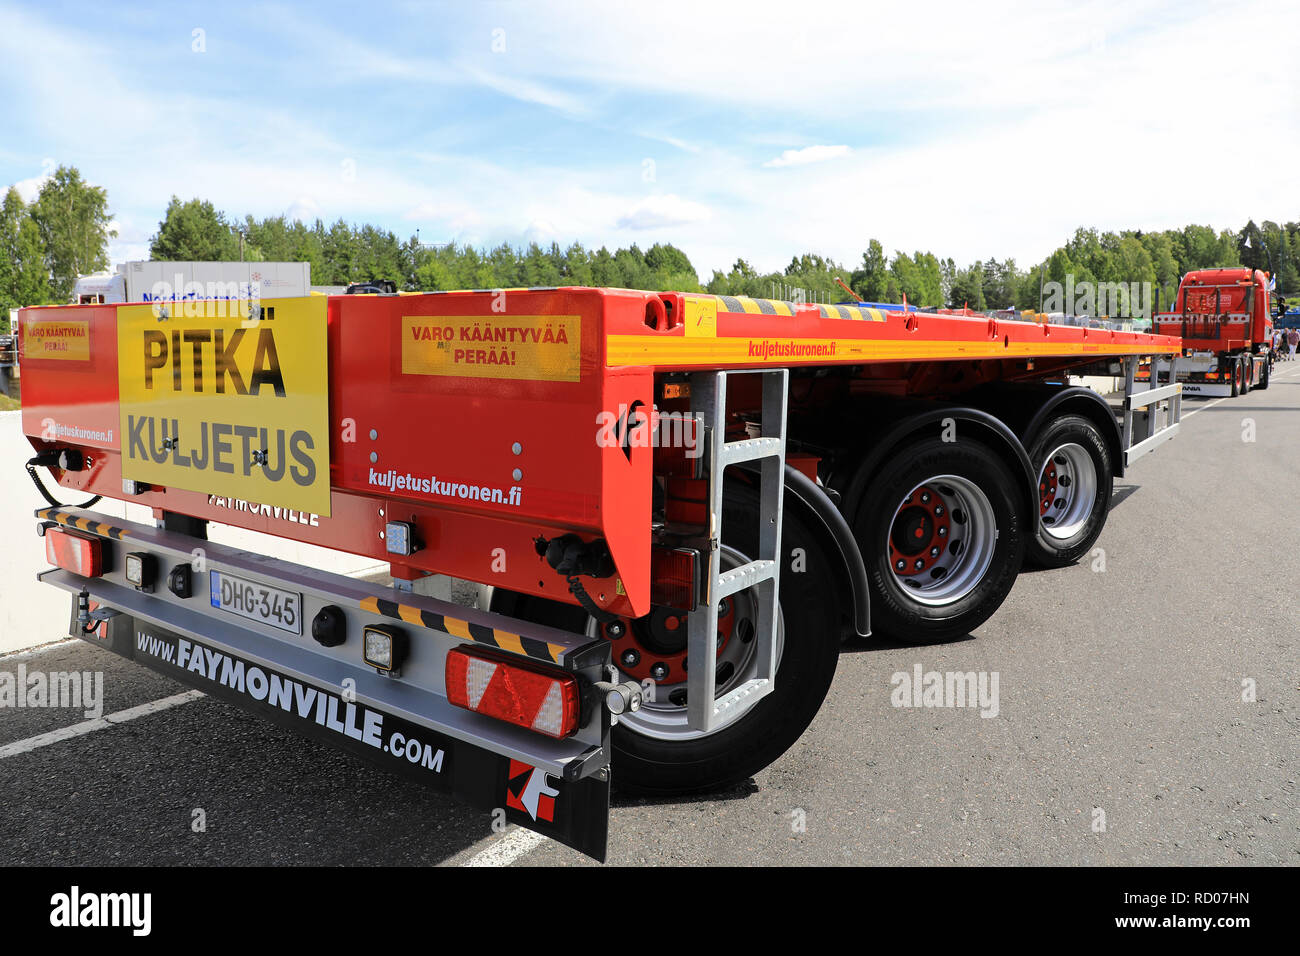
(73, 552)
(519, 694)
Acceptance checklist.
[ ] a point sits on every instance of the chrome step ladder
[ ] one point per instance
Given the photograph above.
(762, 573)
(1168, 397)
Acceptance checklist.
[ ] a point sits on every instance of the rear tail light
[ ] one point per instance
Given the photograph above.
(78, 553)
(675, 578)
(519, 694)
(679, 445)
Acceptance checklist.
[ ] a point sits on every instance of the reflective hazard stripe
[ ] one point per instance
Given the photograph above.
(81, 523)
(466, 630)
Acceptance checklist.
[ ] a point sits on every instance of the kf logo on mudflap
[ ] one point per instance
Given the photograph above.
(527, 790)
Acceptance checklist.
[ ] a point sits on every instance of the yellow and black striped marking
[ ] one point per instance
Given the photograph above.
(750, 306)
(81, 524)
(855, 312)
(743, 303)
(491, 636)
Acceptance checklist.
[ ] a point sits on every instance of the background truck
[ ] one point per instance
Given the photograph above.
(673, 508)
(148, 281)
(1225, 319)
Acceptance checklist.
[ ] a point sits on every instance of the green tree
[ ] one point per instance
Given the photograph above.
(968, 289)
(194, 232)
(74, 223)
(871, 279)
(24, 279)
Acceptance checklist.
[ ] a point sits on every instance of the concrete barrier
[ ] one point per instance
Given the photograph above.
(32, 613)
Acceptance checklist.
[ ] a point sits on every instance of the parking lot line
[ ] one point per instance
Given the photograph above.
(507, 849)
(99, 723)
(30, 652)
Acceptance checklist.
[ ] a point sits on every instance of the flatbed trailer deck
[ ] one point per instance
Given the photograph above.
(573, 452)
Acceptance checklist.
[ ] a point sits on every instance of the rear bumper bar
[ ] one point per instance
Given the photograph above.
(559, 788)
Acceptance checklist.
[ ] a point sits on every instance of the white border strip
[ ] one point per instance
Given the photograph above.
(99, 723)
(507, 849)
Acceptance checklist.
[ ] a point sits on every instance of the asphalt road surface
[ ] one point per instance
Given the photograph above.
(1125, 729)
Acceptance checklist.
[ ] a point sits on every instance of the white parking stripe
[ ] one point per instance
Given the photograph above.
(27, 653)
(99, 723)
(507, 849)
(1201, 408)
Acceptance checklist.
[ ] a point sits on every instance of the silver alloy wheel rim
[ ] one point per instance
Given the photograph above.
(1076, 491)
(663, 720)
(968, 552)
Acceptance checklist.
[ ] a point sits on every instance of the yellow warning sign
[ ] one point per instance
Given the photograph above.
(701, 318)
(215, 401)
(67, 339)
(532, 347)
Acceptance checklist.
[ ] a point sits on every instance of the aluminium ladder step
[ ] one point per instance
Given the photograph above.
(761, 574)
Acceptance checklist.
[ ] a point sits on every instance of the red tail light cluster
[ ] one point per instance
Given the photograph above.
(81, 554)
(530, 697)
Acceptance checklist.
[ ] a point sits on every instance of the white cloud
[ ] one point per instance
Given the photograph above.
(126, 252)
(655, 212)
(809, 154)
(528, 91)
(425, 210)
(304, 209)
(30, 188)
(541, 232)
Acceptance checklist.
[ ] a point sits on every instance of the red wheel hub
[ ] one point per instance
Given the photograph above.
(658, 640)
(919, 535)
(1047, 488)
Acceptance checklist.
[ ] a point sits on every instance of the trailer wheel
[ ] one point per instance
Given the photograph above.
(1266, 369)
(655, 751)
(942, 533)
(1236, 378)
(1075, 480)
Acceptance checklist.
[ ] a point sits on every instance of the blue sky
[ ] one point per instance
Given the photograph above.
(753, 129)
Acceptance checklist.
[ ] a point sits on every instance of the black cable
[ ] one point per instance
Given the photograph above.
(590, 606)
(36, 480)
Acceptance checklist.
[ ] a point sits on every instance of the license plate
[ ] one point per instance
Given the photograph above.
(257, 602)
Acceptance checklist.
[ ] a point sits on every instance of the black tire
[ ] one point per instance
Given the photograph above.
(1047, 550)
(810, 607)
(1236, 378)
(895, 612)
(1266, 369)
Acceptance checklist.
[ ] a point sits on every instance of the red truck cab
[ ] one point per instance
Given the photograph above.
(1224, 318)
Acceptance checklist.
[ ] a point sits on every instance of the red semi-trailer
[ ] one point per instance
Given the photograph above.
(674, 508)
